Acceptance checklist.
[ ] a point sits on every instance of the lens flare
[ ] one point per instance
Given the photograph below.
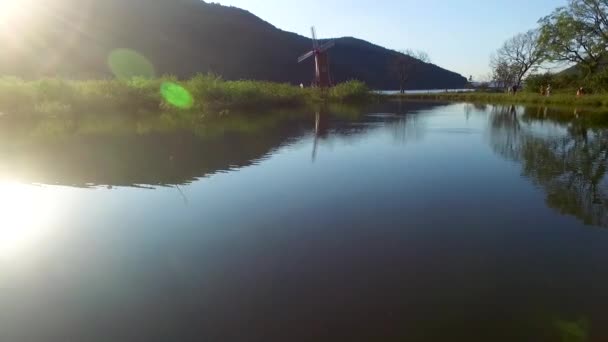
(176, 95)
(126, 64)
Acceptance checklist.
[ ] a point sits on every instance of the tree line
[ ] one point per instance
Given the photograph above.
(575, 35)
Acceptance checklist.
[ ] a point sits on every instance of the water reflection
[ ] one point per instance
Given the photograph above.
(567, 162)
(119, 150)
(471, 108)
(136, 152)
(505, 130)
(407, 228)
(321, 129)
(563, 151)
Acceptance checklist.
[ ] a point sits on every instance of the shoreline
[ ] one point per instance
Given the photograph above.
(559, 99)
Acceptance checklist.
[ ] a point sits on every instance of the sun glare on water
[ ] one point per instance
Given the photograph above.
(25, 214)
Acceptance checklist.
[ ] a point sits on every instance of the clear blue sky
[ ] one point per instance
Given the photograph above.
(459, 35)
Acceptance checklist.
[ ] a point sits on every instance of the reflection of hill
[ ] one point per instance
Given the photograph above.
(165, 150)
(570, 167)
(170, 156)
(155, 159)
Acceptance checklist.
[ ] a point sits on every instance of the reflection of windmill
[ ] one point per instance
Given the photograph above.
(322, 76)
(321, 130)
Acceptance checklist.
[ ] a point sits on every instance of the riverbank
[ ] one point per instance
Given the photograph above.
(203, 93)
(596, 100)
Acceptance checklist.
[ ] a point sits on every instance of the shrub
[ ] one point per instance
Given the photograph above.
(349, 91)
(208, 92)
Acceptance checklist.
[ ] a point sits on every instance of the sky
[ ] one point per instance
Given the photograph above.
(459, 35)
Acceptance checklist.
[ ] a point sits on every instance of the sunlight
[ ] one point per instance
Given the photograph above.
(25, 212)
(10, 9)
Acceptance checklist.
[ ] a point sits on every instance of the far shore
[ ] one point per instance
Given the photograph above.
(591, 100)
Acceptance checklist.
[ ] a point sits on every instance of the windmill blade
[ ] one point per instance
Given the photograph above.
(327, 46)
(306, 56)
(315, 43)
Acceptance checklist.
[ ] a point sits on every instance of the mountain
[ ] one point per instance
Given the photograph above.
(579, 71)
(73, 38)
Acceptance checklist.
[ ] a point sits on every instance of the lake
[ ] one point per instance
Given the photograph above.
(404, 221)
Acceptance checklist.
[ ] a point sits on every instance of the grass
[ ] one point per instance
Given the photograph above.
(207, 93)
(558, 99)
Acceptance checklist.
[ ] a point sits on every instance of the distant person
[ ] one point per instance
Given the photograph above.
(514, 88)
(548, 92)
(301, 85)
(580, 92)
(542, 90)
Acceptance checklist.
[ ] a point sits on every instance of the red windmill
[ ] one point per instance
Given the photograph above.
(322, 75)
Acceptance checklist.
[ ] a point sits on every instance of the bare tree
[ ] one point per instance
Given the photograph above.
(518, 57)
(420, 55)
(503, 74)
(405, 63)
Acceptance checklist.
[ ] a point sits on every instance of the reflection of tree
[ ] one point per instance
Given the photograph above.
(570, 167)
(571, 170)
(469, 108)
(402, 119)
(406, 128)
(505, 128)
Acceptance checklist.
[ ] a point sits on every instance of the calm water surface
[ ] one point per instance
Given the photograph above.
(397, 222)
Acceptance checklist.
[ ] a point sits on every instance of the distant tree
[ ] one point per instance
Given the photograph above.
(518, 57)
(405, 63)
(577, 33)
(503, 73)
(420, 55)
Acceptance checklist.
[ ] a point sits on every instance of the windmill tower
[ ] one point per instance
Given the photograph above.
(322, 75)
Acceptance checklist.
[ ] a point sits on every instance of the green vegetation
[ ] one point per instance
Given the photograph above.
(559, 99)
(577, 331)
(201, 94)
(596, 83)
(575, 36)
